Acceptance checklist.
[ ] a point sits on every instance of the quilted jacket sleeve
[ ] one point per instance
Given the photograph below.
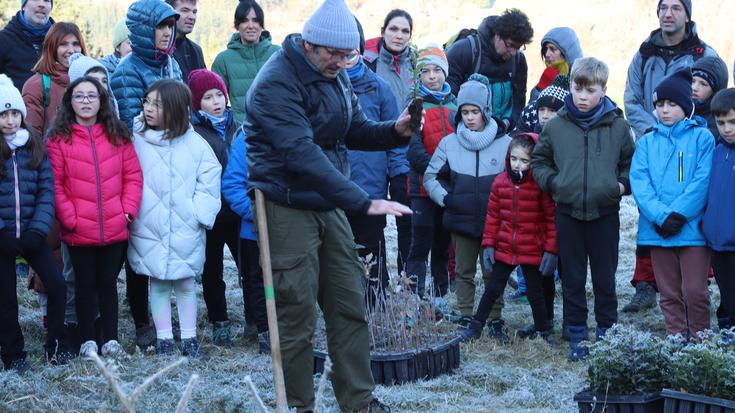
(128, 88)
(432, 185)
(206, 200)
(132, 177)
(549, 210)
(65, 211)
(43, 214)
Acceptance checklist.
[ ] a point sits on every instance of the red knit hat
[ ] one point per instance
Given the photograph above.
(201, 81)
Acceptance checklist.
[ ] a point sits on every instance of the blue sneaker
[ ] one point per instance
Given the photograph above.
(473, 331)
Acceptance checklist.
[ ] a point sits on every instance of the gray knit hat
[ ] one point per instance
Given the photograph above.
(80, 64)
(10, 97)
(475, 91)
(687, 6)
(713, 70)
(332, 25)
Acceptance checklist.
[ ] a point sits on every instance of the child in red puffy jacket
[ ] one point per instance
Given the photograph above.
(98, 186)
(519, 230)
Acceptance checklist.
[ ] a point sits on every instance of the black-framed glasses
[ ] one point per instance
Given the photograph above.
(92, 97)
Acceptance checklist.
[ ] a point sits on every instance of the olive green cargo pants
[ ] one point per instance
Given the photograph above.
(467, 251)
(314, 261)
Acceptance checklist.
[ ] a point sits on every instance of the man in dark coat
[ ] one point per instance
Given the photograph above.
(188, 54)
(495, 52)
(22, 40)
(303, 117)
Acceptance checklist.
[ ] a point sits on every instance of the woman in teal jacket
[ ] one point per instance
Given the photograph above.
(246, 53)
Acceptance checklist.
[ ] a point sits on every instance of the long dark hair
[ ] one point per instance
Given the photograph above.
(175, 99)
(117, 132)
(35, 145)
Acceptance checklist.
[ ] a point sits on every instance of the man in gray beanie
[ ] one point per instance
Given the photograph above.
(673, 46)
(303, 117)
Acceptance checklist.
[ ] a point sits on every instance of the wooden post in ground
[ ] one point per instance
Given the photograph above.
(270, 302)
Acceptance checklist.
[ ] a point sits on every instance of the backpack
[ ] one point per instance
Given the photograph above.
(474, 37)
(696, 49)
(46, 79)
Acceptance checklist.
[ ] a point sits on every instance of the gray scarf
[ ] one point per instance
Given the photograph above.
(477, 140)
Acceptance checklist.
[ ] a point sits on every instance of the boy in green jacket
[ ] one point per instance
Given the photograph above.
(583, 159)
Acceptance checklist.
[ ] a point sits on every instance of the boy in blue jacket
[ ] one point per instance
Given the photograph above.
(669, 177)
(717, 223)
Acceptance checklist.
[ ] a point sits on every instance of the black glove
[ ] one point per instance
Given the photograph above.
(31, 241)
(488, 258)
(548, 264)
(8, 243)
(672, 225)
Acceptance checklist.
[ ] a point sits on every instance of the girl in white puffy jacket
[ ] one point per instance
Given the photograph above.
(181, 198)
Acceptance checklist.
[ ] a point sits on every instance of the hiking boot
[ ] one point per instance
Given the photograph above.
(464, 321)
(547, 337)
(264, 343)
(517, 296)
(375, 406)
(221, 335)
(644, 298)
(600, 333)
(113, 349)
(473, 331)
(577, 350)
(88, 348)
(165, 347)
(496, 330)
(190, 347)
(145, 336)
(20, 366)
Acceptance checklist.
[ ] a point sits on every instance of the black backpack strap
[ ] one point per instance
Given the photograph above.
(476, 51)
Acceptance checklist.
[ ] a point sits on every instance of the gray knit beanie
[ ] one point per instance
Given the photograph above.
(713, 70)
(475, 91)
(332, 25)
(687, 6)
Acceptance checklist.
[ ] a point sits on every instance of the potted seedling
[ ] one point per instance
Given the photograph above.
(626, 372)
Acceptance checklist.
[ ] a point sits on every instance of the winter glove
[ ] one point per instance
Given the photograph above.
(548, 264)
(8, 244)
(672, 225)
(488, 258)
(31, 241)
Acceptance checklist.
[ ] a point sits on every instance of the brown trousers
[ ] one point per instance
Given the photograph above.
(681, 277)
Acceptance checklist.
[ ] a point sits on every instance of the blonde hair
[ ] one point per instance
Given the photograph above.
(589, 71)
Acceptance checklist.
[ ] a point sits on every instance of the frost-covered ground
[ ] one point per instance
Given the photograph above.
(522, 376)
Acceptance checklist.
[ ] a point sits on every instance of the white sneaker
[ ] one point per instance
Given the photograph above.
(88, 348)
(113, 349)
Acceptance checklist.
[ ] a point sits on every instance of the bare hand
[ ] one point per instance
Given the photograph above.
(402, 123)
(383, 207)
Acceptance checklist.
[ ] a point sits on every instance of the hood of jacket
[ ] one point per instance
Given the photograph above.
(154, 137)
(367, 82)
(680, 129)
(142, 18)
(565, 38)
(486, 37)
(716, 68)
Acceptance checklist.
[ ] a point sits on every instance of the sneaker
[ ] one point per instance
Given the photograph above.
(517, 296)
(547, 337)
(264, 343)
(473, 331)
(578, 349)
(496, 330)
(145, 336)
(165, 347)
(528, 332)
(113, 349)
(250, 331)
(190, 347)
(87, 349)
(644, 298)
(221, 335)
(464, 321)
(600, 333)
(20, 366)
(375, 406)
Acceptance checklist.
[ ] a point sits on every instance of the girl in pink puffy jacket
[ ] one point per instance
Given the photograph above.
(98, 184)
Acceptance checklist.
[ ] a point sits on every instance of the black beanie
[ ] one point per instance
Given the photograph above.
(687, 7)
(677, 88)
(362, 36)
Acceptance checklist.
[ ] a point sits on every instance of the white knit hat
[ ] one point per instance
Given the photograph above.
(332, 25)
(10, 97)
(80, 64)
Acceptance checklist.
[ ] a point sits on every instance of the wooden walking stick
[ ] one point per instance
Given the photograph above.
(270, 303)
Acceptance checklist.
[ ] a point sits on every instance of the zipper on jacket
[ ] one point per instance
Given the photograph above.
(477, 184)
(99, 186)
(444, 120)
(584, 184)
(17, 196)
(515, 223)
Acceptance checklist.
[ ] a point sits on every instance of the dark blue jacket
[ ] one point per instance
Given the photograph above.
(301, 125)
(145, 64)
(370, 170)
(36, 190)
(235, 183)
(20, 51)
(717, 224)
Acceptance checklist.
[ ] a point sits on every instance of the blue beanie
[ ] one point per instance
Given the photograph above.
(332, 25)
(677, 88)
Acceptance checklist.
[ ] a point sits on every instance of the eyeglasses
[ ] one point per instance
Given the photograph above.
(155, 103)
(92, 97)
(338, 56)
(675, 9)
(513, 47)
